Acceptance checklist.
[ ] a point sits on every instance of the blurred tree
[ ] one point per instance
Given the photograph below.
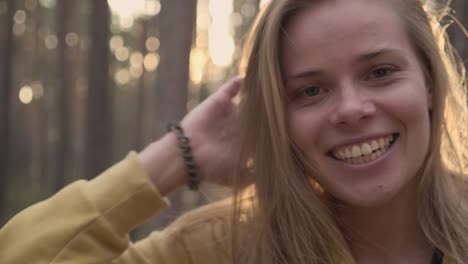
(67, 66)
(139, 141)
(458, 31)
(177, 25)
(99, 100)
(176, 33)
(246, 11)
(5, 99)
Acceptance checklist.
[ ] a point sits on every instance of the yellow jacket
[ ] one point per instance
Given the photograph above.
(87, 222)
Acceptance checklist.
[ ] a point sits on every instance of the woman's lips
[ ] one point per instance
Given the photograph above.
(365, 151)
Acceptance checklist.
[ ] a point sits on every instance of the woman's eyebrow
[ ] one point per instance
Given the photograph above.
(363, 57)
(376, 53)
(304, 74)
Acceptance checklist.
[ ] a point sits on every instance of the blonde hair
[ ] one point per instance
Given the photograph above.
(291, 222)
(288, 219)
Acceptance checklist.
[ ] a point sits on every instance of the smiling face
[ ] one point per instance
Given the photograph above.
(357, 99)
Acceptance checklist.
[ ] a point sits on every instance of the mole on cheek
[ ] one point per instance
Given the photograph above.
(380, 186)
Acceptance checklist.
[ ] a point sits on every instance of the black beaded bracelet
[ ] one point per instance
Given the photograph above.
(184, 144)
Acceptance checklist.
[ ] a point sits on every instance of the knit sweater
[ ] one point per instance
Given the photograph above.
(88, 222)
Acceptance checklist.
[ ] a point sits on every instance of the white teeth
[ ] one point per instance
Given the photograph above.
(341, 154)
(356, 151)
(366, 149)
(364, 152)
(348, 153)
(382, 143)
(374, 145)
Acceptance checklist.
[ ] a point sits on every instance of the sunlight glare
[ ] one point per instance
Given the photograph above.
(264, 2)
(127, 8)
(197, 65)
(221, 44)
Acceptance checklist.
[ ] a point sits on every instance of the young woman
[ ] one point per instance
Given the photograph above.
(350, 136)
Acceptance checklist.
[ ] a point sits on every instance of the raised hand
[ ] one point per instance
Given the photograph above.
(214, 135)
(213, 129)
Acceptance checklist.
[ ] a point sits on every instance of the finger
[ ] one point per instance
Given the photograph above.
(232, 87)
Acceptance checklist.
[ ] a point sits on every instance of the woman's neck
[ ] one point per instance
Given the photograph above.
(390, 233)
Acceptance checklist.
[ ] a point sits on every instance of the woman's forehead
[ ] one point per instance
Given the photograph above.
(340, 17)
(339, 30)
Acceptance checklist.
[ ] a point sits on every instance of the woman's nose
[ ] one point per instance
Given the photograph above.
(353, 107)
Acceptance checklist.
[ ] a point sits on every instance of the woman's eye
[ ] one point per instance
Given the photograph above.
(309, 94)
(382, 72)
(311, 91)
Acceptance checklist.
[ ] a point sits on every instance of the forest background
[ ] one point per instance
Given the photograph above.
(83, 82)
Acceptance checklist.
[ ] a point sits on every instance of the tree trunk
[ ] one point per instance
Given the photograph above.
(5, 105)
(67, 23)
(99, 115)
(141, 90)
(176, 34)
(458, 34)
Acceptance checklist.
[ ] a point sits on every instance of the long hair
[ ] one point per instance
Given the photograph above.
(289, 220)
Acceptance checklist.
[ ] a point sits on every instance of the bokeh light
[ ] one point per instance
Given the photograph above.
(26, 94)
(127, 11)
(72, 39)
(38, 89)
(152, 7)
(122, 77)
(136, 59)
(115, 42)
(151, 62)
(30, 4)
(127, 8)
(152, 44)
(122, 53)
(20, 17)
(136, 71)
(48, 3)
(51, 41)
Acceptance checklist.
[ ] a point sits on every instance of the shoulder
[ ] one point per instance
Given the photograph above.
(214, 217)
(205, 233)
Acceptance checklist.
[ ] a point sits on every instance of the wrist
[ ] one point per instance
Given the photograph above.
(164, 165)
(187, 155)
